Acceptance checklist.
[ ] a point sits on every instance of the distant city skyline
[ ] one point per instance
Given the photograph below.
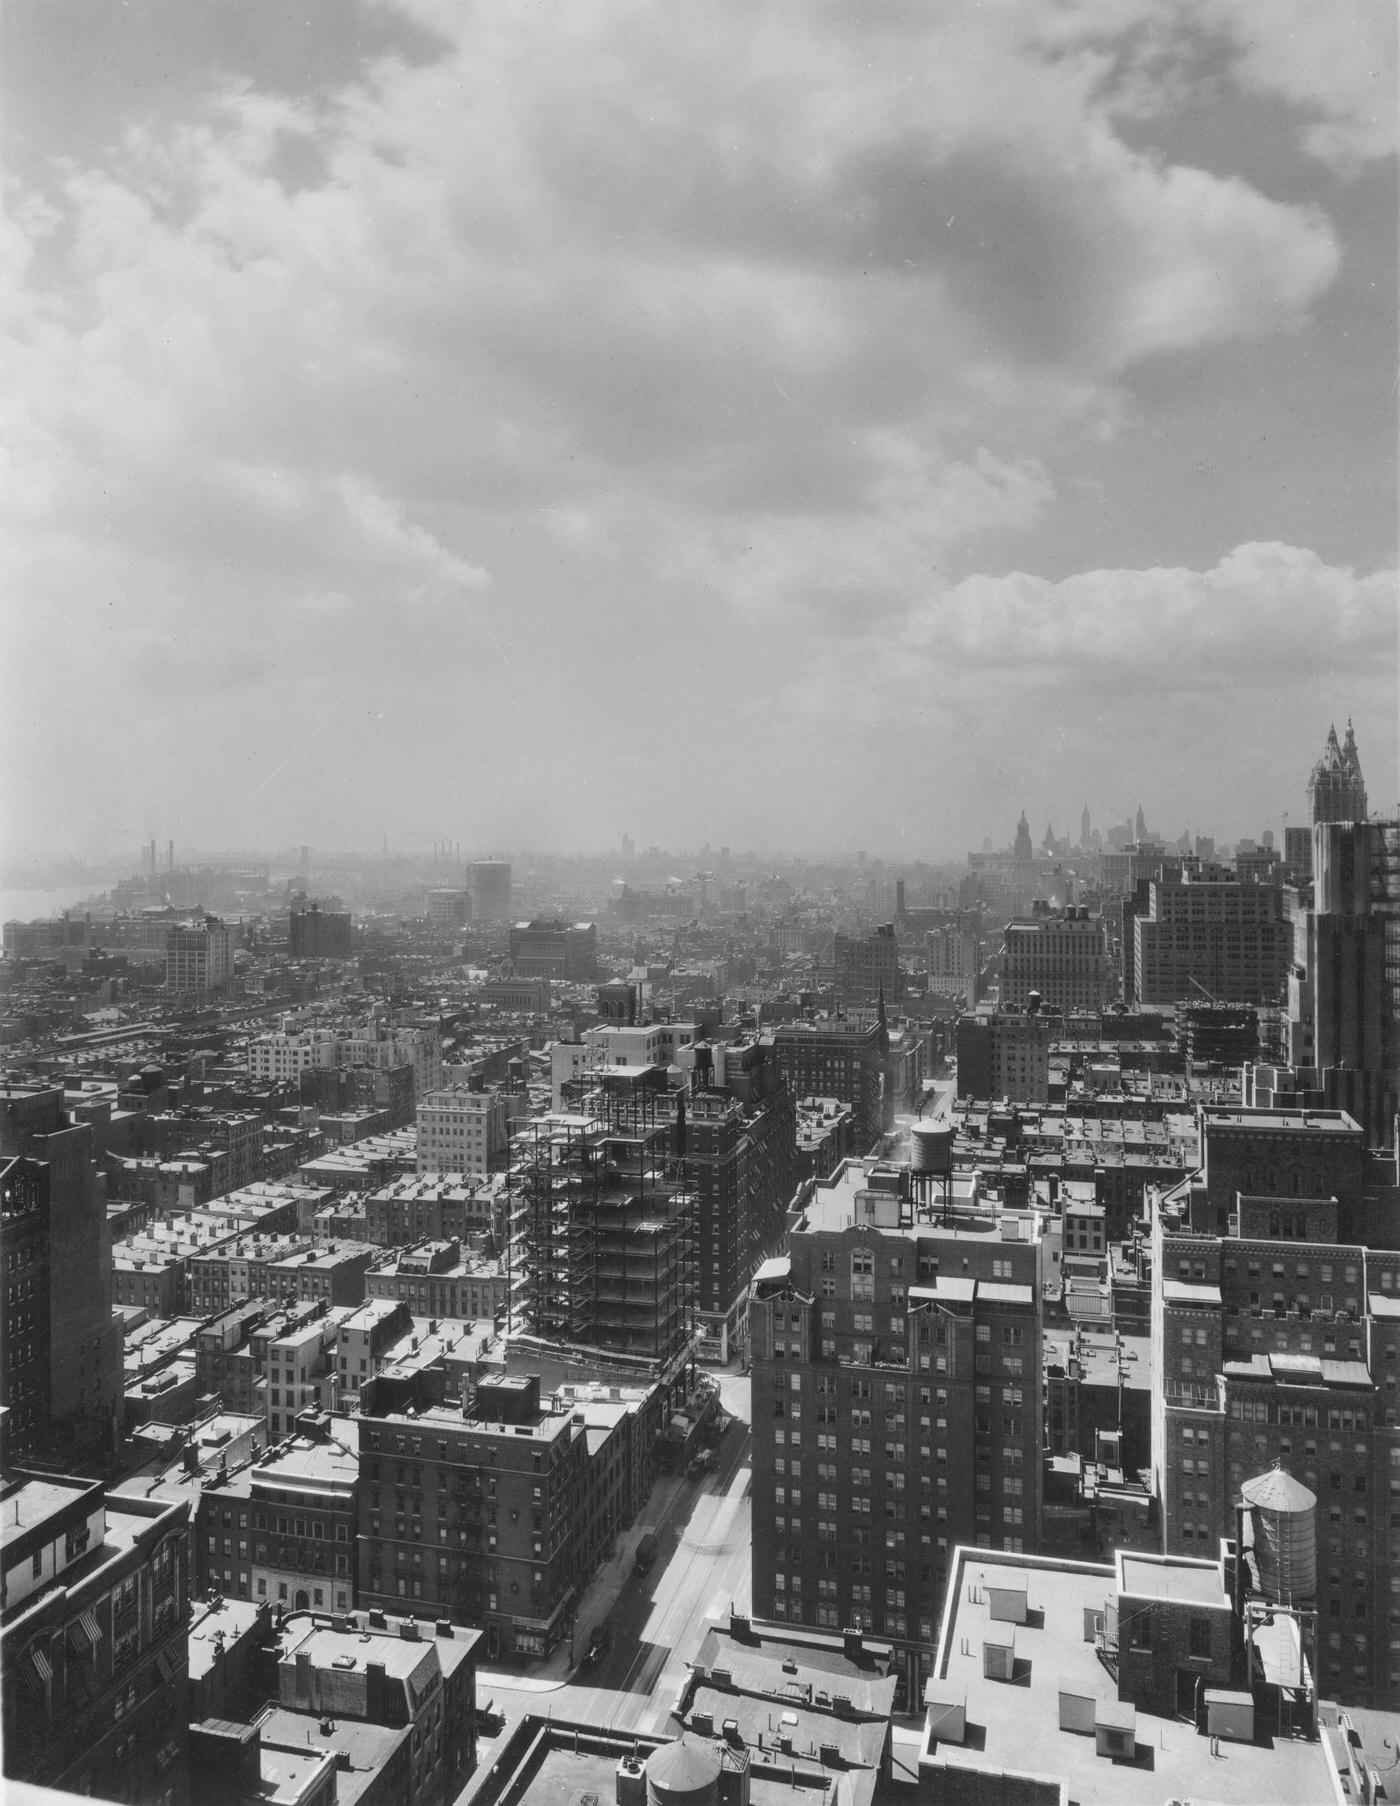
(450, 848)
(537, 427)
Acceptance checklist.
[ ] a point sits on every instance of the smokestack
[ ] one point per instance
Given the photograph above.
(153, 855)
(170, 855)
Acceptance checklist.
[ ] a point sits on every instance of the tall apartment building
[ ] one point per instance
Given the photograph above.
(60, 1346)
(896, 1404)
(1276, 1338)
(835, 1057)
(740, 1159)
(462, 1130)
(867, 966)
(199, 956)
(471, 1513)
(1060, 955)
(1222, 937)
(1005, 1053)
(93, 1656)
(566, 952)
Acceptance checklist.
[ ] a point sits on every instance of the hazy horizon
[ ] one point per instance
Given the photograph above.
(793, 428)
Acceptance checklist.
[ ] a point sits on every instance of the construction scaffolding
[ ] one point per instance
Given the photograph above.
(603, 1234)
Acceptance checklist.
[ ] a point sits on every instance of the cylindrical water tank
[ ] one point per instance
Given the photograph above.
(930, 1147)
(683, 1774)
(1285, 1535)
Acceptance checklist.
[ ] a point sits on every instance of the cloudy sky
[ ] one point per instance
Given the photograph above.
(803, 427)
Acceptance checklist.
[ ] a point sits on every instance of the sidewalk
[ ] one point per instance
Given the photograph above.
(603, 1590)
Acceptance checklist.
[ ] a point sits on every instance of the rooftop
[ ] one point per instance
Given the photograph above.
(226, 1619)
(1015, 1726)
(1333, 1122)
(401, 1657)
(365, 1747)
(286, 1772)
(33, 1502)
(1170, 1577)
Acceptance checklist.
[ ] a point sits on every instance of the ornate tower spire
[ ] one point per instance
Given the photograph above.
(1336, 789)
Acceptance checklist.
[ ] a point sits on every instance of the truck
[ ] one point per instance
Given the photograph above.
(646, 1552)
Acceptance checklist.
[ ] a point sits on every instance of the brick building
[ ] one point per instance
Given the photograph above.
(867, 966)
(896, 1403)
(472, 1512)
(1226, 938)
(1060, 955)
(833, 1057)
(60, 1346)
(92, 1640)
(437, 1280)
(565, 952)
(1276, 1337)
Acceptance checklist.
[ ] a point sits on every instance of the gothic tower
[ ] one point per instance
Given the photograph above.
(1336, 789)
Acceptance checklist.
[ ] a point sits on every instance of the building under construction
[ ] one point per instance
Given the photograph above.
(603, 1224)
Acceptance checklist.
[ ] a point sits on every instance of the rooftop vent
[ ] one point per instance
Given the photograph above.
(999, 1655)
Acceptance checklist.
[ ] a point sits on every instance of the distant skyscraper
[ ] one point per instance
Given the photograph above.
(489, 882)
(1336, 789)
(1344, 987)
(1140, 825)
(1085, 827)
(1023, 848)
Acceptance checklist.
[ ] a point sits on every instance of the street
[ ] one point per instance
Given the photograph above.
(702, 1568)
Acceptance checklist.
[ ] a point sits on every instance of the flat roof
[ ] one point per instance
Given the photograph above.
(285, 1772)
(400, 1657)
(368, 1746)
(1171, 1577)
(1015, 1726)
(233, 1618)
(37, 1500)
(310, 1464)
(1335, 1122)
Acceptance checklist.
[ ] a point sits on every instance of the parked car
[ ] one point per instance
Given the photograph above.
(598, 1645)
(646, 1552)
